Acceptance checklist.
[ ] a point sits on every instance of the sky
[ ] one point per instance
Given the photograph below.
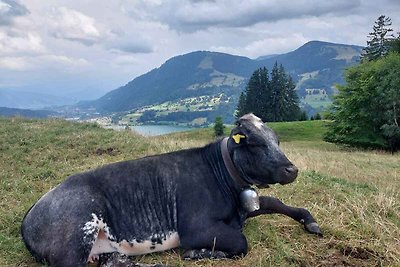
(89, 47)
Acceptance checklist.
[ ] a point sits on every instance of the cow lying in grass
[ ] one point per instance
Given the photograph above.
(196, 199)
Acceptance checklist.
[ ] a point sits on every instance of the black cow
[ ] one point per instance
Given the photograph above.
(197, 199)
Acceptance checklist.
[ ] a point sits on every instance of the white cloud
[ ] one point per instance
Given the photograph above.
(275, 44)
(42, 62)
(63, 60)
(73, 25)
(18, 42)
(14, 63)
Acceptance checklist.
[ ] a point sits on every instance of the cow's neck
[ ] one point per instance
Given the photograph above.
(227, 185)
(230, 166)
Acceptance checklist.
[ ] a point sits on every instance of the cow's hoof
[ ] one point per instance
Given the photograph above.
(313, 228)
(196, 254)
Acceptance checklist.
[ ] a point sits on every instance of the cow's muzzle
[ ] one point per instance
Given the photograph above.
(288, 174)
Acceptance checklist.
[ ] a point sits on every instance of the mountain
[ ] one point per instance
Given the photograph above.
(219, 78)
(323, 61)
(29, 100)
(27, 113)
(193, 74)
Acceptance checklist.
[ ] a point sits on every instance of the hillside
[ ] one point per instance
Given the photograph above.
(27, 113)
(315, 65)
(353, 194)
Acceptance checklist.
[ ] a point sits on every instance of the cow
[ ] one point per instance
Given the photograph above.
(197, 199)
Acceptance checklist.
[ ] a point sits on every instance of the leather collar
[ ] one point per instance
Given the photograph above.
(233, 172)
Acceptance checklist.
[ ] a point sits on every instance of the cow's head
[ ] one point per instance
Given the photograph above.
(254, 149)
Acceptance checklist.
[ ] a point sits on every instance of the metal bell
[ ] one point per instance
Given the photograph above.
(249, 200)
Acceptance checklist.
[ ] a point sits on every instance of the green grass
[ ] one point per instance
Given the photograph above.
(310, 131)
(353, 194)
(317, 101)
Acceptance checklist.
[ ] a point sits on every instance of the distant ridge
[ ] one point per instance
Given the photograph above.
(316, 64)
(26, 113)
(31, 100)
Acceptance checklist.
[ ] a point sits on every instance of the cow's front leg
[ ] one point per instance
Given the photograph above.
(215, 241)
(269, 205)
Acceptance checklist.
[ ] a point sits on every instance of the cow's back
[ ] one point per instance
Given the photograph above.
(135, 200)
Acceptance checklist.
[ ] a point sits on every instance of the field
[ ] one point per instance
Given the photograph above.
(319, 102)
(353, 194)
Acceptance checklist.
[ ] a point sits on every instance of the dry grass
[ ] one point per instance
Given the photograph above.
(353, 194)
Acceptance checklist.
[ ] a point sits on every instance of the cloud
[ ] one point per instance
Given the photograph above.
(72, 25)
(189, 16)
(14, 63)
(124, 45)
(64, 60)
(9, 9)
(133, 48)
(41, 62)
(13, 41)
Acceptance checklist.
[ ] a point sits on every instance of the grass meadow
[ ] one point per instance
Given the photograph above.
(353, 194)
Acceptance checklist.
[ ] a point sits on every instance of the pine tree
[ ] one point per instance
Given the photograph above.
(242, 108)
(218, 127)
(275, 92)
(303, 116)
(272, 99)
(379, 39)
(264, 95)
(394, 45)
(291, 99)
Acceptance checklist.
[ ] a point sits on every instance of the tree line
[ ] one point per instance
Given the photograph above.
(272, 97)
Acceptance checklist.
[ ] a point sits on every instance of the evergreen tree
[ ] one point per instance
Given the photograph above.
(241, 109)
(272, 99)
(291, 103)
(317, 117)
(218, 127)
(394, 45)
(275, 92)
(379, 39)
(264, 95)
(303, 116)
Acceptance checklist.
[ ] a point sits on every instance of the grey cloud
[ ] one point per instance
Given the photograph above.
(195, 15)
(135, 49)
(10, 9)
(132, 47)
(84, 41)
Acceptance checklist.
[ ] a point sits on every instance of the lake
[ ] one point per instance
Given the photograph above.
(153, 130)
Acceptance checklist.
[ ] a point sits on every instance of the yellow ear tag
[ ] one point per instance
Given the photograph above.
(237, 138)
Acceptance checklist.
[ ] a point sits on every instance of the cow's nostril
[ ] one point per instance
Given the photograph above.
(292, 170)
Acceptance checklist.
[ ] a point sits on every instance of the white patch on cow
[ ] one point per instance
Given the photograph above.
(254, 120)
(104, 242)
(134, 248)
(94, 226)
